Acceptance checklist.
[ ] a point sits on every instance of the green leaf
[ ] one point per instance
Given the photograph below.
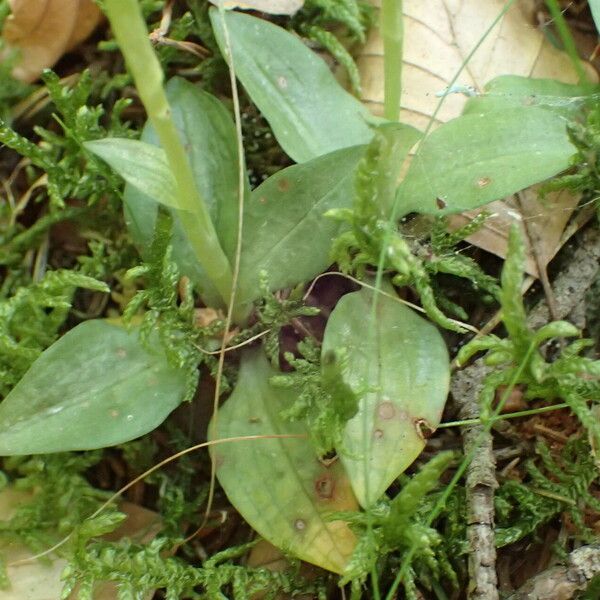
(475, 159)
(310, 113)
(278, 485)
(141, 165)
(285, 232)
(96, 386)
(208, 134)
(510, 91)
(398, 364)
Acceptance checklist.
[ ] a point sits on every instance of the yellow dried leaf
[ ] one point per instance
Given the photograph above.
(43, 30)
(439, 34)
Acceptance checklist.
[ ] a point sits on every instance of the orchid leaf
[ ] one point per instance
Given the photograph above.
(398, 365)
(96, 386)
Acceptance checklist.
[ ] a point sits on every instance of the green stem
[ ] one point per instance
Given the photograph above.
(392, 34)
(513, 415)
(131, 33)
(567, 39)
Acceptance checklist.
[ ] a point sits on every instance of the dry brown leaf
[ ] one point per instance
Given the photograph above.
(43, 30)
(542, 222)
(272, 7)
(266, 556)
(36, 580)
(439, 34)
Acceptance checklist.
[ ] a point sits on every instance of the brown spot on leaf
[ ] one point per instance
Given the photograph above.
(441, 203)
(283, 185)
(424, 429)
(378, 434)
(386, 410)
(483, 182)
(254, 420)
(282, 82)
(299, 524)
(121, 352)
(325, 486)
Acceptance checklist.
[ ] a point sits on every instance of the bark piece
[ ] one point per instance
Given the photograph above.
(563, 582)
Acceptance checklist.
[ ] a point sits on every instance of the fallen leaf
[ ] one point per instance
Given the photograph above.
(542, 221)
(266, 556)
(439, 34)
(272, 7)
(43, 30)
(37, 580)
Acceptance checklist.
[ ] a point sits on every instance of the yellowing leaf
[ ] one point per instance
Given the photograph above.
(43, 30)
(277, 484)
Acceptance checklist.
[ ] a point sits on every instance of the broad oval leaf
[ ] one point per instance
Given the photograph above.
(96, 386)
(208, 134)
(141, 165)
(278, 485)
(478, 158)
(285, 232)
(308, 110)
(399, 367)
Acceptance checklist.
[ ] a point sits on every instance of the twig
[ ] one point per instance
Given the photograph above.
(481, 484)
(560, 583)
(569, 287)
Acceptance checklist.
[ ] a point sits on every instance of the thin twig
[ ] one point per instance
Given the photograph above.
(237, 259)
(480, 485)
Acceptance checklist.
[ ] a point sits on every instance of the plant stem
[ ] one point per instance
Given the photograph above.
(131, 33)
(392, 33)
(567, 39)
(513, 415)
